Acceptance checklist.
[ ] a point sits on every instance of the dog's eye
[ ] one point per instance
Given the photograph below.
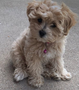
(53, 25)
(40, 20)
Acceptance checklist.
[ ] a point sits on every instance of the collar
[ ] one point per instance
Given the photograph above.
(47, 44)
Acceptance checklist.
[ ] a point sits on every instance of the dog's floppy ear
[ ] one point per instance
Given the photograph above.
(69, 18)
(31, 8)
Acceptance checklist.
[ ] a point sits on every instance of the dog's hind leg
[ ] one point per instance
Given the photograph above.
(19, 62)
(19, 74)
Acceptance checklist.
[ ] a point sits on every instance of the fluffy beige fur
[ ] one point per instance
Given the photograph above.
(27, 51)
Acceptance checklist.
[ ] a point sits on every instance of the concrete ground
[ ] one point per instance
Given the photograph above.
(13, 20)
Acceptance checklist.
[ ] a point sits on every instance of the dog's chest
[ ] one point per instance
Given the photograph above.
(42, 52)
(39, 51)
(48, 53)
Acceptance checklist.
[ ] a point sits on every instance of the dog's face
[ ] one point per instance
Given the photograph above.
(48, 21)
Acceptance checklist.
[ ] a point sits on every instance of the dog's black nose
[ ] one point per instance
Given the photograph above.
(42, 33)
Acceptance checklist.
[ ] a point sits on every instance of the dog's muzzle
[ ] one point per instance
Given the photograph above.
(42, 33)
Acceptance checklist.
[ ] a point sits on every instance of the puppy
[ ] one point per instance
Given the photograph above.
(39, 50)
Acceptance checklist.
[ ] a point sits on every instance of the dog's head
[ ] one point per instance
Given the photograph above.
(49, 21)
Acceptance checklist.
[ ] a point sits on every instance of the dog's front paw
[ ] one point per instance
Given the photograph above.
(19, 74)
(36, 82)
(61, 76)
(66, 75)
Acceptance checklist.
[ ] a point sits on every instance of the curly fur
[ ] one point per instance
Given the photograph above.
(27, 51)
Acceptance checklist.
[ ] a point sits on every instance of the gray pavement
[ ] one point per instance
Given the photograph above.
(13, 20)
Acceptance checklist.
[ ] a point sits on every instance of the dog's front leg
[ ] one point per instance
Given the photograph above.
(35, 70)
(59, 72)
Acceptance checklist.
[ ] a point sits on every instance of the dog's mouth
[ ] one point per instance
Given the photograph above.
(45, 40)
(42, 36)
